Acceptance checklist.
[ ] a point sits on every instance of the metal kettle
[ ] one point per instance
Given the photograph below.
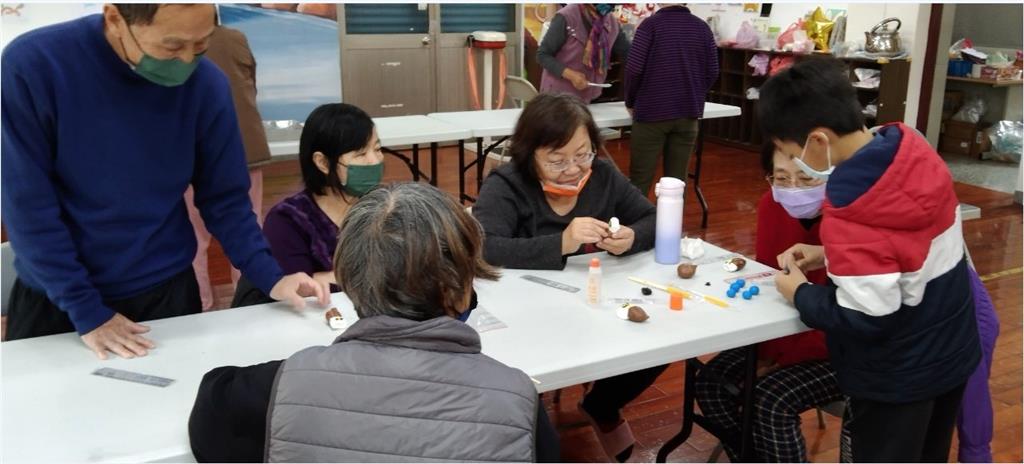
(882, 41)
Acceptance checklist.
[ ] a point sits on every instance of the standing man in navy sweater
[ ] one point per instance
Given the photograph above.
(670, 68)
(106, 121)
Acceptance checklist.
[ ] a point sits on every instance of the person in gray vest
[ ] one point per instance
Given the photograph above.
(407, 381)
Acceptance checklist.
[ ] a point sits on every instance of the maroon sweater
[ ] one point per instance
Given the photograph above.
(776, 232)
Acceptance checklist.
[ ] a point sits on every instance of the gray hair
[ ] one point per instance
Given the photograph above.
(409, 250)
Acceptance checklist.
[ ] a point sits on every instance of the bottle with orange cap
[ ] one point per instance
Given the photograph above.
(594, 283)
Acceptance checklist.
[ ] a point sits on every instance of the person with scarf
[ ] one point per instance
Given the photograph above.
(574, 54)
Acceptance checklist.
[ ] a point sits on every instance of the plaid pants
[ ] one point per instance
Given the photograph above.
(779, 398)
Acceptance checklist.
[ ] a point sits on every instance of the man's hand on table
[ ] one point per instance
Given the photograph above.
(294, 289)
(120, 336)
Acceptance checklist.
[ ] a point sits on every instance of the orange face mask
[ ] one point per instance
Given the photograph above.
(566, 190)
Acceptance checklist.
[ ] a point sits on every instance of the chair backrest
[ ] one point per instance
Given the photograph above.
(7, 274)
(520, 90)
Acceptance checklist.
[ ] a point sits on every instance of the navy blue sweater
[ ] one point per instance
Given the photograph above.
(95, 162)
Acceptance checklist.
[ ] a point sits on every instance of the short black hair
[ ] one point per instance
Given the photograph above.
(768, 157)
(549, 121)
(138, 13)
(332, 129)
(814, 92)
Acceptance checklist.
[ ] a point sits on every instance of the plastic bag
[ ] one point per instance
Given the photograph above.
(845, 49)
(1006, 137)
(998, 59)
(802, 43)
(786, 37)
(753, 93)
(760, 64)
(779, 63)
(972, 111)
(747, 36)
(954, 50)
(867, 78)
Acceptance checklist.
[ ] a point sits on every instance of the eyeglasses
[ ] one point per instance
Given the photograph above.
(583, 159)
(799, 181)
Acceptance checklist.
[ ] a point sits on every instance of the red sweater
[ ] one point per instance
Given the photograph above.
(777, 231)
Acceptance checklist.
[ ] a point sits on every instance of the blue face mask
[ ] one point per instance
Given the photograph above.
(472, 305)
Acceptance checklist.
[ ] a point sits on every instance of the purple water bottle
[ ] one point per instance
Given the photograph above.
(669, 229)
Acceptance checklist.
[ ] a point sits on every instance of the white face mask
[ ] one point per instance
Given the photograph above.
(823, 175)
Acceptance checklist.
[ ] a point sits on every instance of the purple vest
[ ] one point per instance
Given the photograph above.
(571, 55)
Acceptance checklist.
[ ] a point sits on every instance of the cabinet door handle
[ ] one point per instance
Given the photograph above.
(392, 64)
(392, 105)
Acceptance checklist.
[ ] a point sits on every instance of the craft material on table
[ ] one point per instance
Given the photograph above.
(691, 248)
(631, 313)
(551, 283)
(334, 320)
(130, 376)
(614, 225)
(690, 294)
(483, 320)
(761, 278)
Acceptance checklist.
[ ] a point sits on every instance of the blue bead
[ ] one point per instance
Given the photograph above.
(755, 289)
(747, 295)
(740, 282)
(731, 293)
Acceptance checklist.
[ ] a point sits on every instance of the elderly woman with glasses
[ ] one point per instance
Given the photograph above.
(554, 200)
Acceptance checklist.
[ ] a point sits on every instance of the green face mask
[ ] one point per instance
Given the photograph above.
(168, 73)
(363, 178)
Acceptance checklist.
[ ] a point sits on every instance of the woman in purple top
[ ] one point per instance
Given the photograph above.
(341, 159)
(575, 54)
(671, 66)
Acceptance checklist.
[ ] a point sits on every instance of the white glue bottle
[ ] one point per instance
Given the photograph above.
(594, 283)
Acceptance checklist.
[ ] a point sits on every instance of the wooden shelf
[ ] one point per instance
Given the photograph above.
(735, 77)
(988, 82)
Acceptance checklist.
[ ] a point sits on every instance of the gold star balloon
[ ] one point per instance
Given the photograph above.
(819, 28)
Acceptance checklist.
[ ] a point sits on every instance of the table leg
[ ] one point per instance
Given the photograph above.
(416, 162)
(747, 424)
(433, 164)
(462, 170)
(688, 415)
(699, 153)
(405, 159)
(480, 157)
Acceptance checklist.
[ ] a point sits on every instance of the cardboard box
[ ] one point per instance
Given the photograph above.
(964, 138)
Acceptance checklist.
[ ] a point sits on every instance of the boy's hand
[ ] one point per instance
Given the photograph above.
(803, 256)
(787, 283)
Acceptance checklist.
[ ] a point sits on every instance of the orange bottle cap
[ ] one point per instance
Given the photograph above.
(675, 301)
(595, 262)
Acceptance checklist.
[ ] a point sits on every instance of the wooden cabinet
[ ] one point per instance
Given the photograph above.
(735, 77)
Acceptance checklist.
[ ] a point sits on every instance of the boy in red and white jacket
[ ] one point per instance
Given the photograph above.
(899, 316)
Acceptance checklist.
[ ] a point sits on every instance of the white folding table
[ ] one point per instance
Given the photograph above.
(501, 124)
(397, 131)
(54, 409)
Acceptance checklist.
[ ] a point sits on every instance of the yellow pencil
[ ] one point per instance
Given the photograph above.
(687, 293)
